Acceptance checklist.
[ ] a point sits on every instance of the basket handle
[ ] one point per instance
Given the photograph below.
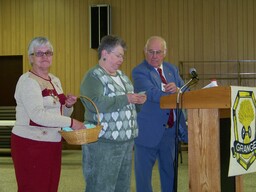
(98, 115)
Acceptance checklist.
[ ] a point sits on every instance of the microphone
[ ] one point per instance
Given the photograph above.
(193, 73)
(194, 78)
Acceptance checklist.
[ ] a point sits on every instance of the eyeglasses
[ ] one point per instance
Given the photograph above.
(156, 52)
(118, 55)
(41, 54)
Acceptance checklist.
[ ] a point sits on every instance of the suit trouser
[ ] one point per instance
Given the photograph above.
(146, 157)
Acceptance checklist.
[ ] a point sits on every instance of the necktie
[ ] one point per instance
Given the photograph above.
(170, 119)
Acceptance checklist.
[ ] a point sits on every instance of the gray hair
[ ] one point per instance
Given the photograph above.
(39, 42)
(109, 42)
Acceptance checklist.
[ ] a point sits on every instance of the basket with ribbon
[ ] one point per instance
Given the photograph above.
(83, 136)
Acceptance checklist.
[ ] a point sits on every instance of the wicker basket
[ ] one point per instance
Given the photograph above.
(83, 136)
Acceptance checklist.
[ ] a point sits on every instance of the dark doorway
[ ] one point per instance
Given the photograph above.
(11, 70)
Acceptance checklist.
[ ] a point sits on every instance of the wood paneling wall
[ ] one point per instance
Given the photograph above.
(193, 29)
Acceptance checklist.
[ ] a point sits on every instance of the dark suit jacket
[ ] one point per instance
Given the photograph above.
(151, 118)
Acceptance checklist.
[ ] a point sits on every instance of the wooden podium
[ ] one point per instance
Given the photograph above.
(208, 138)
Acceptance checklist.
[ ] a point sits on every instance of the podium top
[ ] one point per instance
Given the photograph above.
(209, 98)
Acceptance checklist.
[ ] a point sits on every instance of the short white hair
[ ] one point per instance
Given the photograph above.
(156, 37)
(38, 42)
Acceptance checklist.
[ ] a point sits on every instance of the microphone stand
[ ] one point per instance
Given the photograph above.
(178, 111)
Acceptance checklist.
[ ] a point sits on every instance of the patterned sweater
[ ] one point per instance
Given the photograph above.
(117, 115)
(40, 108)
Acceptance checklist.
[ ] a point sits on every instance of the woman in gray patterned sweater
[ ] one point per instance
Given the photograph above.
(107, 162)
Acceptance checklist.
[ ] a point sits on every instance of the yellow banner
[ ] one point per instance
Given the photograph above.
(242, 138)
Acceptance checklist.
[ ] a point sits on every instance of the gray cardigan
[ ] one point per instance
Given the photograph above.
(117, 115)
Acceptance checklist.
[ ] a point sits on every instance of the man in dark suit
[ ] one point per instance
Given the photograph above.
(156, 140)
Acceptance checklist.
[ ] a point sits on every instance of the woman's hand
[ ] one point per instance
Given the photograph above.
(136, 98)
(70, 100)
(77, 125)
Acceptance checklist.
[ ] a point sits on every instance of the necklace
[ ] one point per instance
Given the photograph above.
(55, 97)
(48, 86)
(45, 77)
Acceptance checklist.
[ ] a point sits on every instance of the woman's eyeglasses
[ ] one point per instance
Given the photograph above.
(118, 55)
(41, 54)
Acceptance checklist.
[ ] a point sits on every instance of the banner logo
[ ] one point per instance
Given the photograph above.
(244, 145)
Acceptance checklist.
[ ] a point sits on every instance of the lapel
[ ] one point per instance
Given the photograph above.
(167, 73)
(155, 77)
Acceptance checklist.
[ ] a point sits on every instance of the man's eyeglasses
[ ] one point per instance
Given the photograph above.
(156, 52)
(41, 54)
(118, 55)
